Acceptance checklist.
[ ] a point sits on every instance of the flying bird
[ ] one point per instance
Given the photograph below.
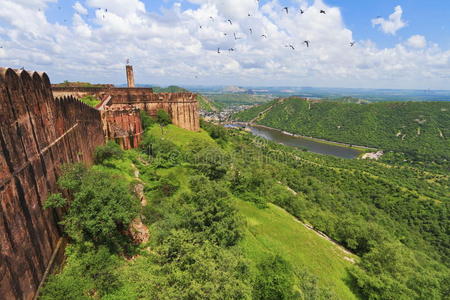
(306, 43)
(231, 49)
(323, 12)
(352, 44)
(231, 23)
(201, 26)
(302, 11)
(251, 30)
(249, 15)
(290, 46)
(286, 9)
(264, 36)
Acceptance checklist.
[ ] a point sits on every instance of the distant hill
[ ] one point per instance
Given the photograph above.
(225, 100)
(234, 89)
(417, 131)
(206, 104)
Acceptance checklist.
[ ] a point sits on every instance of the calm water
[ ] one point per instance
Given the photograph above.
(299, 142)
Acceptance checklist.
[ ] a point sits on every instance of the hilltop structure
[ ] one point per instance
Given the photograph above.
(182, 107)
(40, 130)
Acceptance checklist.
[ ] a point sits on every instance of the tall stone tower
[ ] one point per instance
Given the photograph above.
(130, 76)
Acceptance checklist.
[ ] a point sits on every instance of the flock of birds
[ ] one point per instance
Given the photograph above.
(307, 43)
(286, 9)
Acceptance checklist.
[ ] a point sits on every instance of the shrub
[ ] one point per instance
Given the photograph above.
(275, 279)
(109, 150)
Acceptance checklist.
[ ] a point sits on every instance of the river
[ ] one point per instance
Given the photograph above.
(303, 143)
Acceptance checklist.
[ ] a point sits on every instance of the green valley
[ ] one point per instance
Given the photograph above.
(415, 132)
(226, 213)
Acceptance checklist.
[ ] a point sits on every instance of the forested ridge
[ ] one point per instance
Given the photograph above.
(216, 232)
(418, 132)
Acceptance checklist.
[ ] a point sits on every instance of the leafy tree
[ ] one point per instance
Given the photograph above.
(211, 162)
(163, 118)
(100, 207)
(109, 150)
(146, 120)
(164, 152)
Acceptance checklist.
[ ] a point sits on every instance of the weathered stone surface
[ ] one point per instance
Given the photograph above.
(123, 126)
(37, 135)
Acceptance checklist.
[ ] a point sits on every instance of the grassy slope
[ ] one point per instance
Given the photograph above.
(275, 231)
(179, 136)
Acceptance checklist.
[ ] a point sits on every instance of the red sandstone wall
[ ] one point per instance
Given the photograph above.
(123, 126)
(37, 135)
(182, 107)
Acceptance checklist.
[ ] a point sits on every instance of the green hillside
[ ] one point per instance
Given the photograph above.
(220, 207)
(273, 231)
(206, 104)
(418, 130)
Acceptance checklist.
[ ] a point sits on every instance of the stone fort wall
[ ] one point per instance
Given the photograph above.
(182, 107)
(123, 126)
(38, 134)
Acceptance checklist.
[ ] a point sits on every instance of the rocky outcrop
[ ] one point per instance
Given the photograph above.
(38, 134)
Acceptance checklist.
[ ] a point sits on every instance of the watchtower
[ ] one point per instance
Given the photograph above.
(130, 76)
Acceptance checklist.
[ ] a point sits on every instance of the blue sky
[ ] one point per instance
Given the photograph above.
(430, 18)
(409, 46)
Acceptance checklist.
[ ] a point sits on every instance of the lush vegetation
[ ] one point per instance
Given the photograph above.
(206, 104)
(217, 230)
(416, 132)
(90, 100)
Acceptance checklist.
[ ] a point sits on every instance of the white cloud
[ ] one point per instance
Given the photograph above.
(417, 41)
(393, 24)
(171, 48)
(79, 8)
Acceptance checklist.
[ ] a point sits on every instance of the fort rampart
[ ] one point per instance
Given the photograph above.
(38, 134)
(182, 107)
